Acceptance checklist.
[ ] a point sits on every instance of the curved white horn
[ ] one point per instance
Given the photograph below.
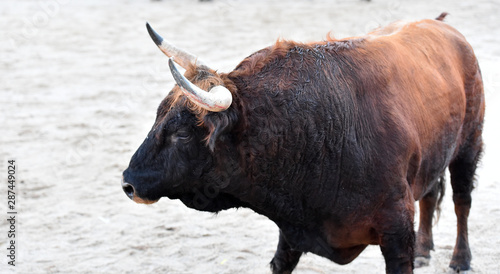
(216, 99)
(182, 57)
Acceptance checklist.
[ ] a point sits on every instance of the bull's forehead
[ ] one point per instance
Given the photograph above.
(177, 102)
(170, 107)
(171, 100)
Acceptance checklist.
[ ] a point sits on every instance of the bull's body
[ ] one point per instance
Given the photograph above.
(333, 141)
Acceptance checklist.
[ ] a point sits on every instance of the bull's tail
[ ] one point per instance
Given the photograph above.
(441, 16)
(441, 186)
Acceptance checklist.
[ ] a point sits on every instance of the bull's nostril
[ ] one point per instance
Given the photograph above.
(129, 190)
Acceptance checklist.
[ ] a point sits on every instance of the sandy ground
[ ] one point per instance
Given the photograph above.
(80, 83)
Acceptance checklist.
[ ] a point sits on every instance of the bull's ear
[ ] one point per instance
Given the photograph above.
(219, 125)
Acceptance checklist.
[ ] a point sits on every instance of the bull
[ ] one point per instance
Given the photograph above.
(334, 141)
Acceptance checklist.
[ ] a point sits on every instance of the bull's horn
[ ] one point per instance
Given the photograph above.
(216, 99)
(183, 58)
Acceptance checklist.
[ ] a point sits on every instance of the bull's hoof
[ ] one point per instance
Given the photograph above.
(458, 270)
(421, 261)
(456, 267)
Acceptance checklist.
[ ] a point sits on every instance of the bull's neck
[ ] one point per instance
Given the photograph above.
(279, 204)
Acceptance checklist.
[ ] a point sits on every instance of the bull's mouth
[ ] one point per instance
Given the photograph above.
(143, 201)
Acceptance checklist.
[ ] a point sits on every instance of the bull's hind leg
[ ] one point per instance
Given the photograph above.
(285, 259)
(462, 170)
(427, 205)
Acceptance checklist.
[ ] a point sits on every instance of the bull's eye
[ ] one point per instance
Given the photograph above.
(182, 135)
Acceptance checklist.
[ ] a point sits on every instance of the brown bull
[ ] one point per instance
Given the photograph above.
(334, 141)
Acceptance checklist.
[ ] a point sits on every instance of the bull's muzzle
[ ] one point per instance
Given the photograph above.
(130, 192)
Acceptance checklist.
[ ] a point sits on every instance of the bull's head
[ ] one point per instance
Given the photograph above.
(176, 158)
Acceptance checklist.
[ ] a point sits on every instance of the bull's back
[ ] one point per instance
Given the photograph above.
(432, 94)
(399, 95)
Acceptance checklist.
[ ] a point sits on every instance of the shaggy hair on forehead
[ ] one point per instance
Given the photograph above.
(202, 78)
(215, 122)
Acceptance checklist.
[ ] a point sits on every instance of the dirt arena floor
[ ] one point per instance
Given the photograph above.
(80, 84)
